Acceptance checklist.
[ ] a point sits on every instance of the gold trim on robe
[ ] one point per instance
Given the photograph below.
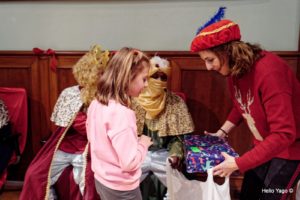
(65, 111)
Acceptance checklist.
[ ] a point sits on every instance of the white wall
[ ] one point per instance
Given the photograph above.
(144, 24)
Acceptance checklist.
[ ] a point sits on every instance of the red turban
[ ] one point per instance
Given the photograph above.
(216, 34)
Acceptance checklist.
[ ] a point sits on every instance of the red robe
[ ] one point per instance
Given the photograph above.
(36, 178)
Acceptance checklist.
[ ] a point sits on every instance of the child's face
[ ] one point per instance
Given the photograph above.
(138, 83)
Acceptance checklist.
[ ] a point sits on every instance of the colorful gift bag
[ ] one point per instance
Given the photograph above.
(203, 152)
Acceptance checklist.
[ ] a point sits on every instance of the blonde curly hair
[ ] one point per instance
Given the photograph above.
(88, 70)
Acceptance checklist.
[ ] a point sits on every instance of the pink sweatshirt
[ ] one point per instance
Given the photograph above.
(116, 152)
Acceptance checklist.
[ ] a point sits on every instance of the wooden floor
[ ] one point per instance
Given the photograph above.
(10, 195)
(14, 195)
(11, 190)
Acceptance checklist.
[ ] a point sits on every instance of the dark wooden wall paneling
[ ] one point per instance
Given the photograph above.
(207, 95)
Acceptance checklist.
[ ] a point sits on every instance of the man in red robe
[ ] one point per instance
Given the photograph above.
(68, 145)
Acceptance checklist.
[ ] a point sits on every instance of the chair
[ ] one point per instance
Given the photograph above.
(15, 100)
(151, 186)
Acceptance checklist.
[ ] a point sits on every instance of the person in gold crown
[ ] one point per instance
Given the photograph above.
(164, 117)
(68, 145)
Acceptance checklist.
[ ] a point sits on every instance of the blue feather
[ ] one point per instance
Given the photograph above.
(217, 17)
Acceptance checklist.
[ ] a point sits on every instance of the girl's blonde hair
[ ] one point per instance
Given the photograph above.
(123, 67)
(241, 56)
(87, 71)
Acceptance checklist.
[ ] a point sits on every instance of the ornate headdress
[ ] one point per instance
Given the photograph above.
(159, 64)
(215, 32)
(153, 98)
(87, 70)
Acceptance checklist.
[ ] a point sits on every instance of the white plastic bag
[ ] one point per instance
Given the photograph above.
(180, 188)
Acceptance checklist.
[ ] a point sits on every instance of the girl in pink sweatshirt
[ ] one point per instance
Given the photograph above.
(116, 150)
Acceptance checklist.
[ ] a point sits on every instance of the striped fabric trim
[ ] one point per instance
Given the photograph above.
(216, 30)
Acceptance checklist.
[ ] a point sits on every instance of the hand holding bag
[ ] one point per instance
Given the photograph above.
(179, 187)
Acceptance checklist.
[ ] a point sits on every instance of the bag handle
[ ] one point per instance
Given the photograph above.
(210, 176)
(219, 192)
(169, 181)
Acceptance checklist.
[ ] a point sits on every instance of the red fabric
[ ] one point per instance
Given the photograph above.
(37, 173)
(35, 181)
(235, 116)
(275, 110)
(49, 52)
(67, 189)
(37, 51)
(215, 37)
(289, 186)
(66, 183)
(182, 95)
(53, 61)
(76, 140)
(3, 178)
(15, 100)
